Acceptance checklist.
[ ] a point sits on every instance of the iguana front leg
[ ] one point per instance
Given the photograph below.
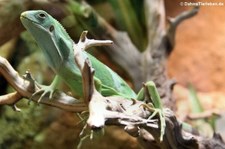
(44, 90)
(150, 94)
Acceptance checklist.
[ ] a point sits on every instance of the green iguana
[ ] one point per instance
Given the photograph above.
(58, 48)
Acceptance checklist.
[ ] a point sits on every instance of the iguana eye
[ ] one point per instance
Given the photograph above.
(42, 15)
(51, 28)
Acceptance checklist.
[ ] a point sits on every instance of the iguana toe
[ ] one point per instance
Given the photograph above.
(44, 91)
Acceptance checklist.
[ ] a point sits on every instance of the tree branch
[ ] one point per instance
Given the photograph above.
(174, 22)
(155, 22)
(26, 86)
(111, 110)
(114, 110)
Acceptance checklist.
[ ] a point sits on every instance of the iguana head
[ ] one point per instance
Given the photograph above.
(50, 36)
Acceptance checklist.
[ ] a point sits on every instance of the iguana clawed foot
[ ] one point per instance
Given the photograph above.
(44, 91)
(160, 113)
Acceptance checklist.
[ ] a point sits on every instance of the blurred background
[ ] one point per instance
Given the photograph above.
(198, 59)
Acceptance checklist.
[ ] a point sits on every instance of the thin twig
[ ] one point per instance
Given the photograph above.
(203, 115)
(174, 22)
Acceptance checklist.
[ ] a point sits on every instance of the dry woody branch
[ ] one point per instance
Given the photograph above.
(106, 110)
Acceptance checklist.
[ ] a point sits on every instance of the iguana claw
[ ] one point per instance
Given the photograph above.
(45, 90)
(161, 118)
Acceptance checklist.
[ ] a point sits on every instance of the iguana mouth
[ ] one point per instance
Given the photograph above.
(26, 20)
(24, 17)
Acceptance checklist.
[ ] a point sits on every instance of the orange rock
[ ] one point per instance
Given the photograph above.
(199, 55)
